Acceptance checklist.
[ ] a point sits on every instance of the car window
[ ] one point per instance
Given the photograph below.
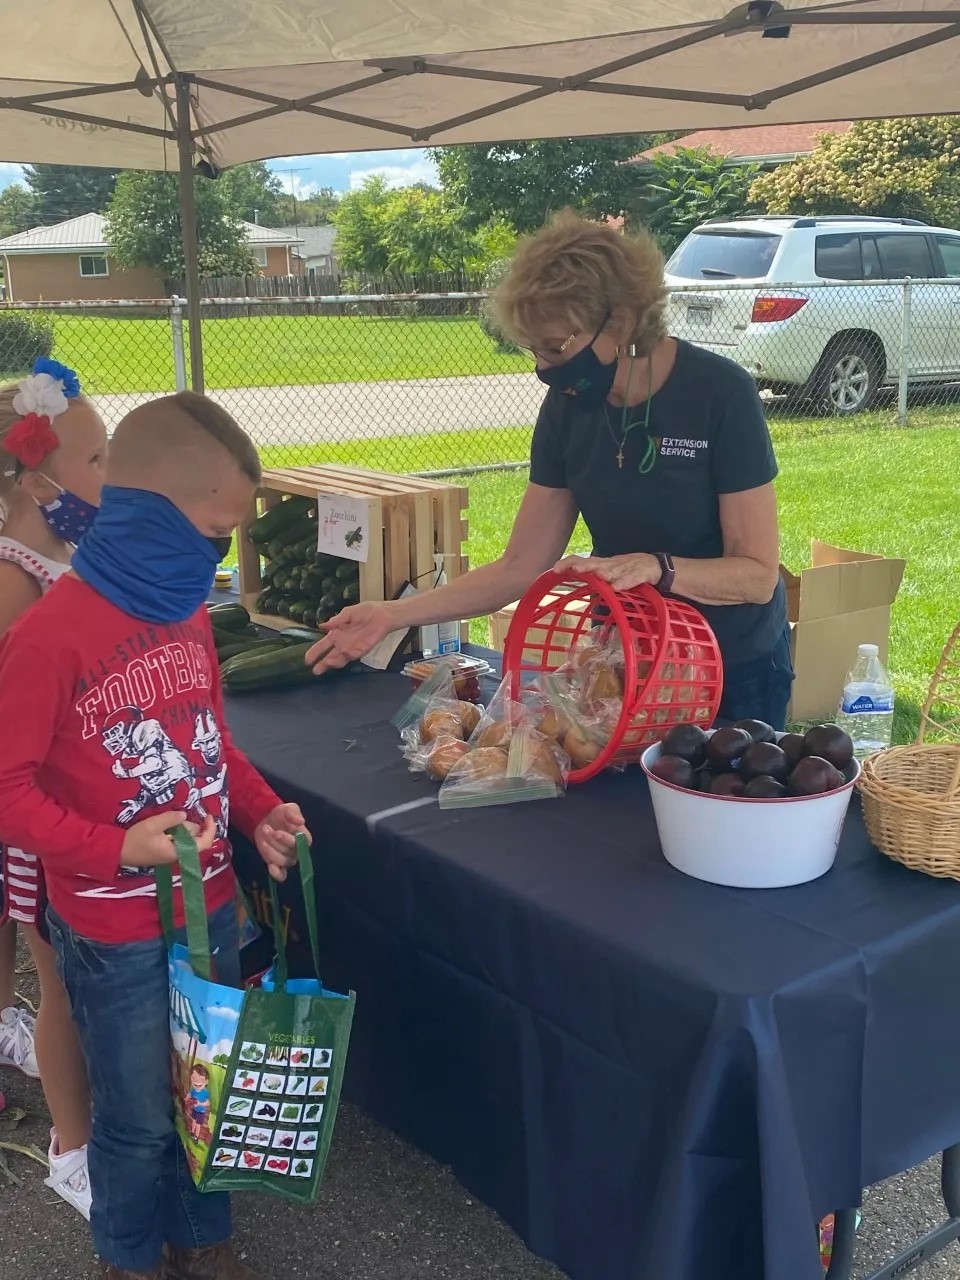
(724, 255)
(871, 259)
(904, 255)
(838, 257)
(950, 253)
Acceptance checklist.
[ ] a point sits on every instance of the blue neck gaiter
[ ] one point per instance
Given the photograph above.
(144, 556)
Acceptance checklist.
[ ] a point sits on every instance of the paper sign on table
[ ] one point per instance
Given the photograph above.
(343, 526)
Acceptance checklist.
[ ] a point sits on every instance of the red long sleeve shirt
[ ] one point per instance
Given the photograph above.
(105, 721)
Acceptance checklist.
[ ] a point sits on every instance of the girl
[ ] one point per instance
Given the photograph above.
(52, 455)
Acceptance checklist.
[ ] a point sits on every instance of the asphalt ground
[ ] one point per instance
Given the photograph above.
(386, 1212)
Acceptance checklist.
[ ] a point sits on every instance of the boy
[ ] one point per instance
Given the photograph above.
(199, 1100)
(104, 681)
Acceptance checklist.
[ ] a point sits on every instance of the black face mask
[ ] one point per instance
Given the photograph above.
(221, 546)
(583, 375)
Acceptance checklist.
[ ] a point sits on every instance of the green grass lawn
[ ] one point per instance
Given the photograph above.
(271, 351)
(863, 484)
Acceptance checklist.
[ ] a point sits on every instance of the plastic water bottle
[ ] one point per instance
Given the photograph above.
(866, 708)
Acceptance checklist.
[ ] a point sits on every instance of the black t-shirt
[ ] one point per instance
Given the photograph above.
(710, 437)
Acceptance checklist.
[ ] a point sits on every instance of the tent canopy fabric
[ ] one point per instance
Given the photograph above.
(93, 81)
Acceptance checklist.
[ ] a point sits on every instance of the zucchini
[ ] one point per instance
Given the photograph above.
(228, 617)
(277, 518)
(246, 646)
(264, 596)
(328, 584)
(284, 603)
(309, 618)
(347, 572)
(299, 635)
(270, 607)
(329, 603)
(221, 638)
(247, 674)
(351, 593)
(296, 611)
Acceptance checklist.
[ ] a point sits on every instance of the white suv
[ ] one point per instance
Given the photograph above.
(836, 344)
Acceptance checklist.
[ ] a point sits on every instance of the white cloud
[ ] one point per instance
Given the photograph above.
(396, 175)
(9, 174)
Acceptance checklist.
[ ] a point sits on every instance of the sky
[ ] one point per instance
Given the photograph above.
(342, 172)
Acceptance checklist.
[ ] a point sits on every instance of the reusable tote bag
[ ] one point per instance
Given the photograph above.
(256, 1073)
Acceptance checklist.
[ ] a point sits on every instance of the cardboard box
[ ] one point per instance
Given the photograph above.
(843, 600)
(499, 623)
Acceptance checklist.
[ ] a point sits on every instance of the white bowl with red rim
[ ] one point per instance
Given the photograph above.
(749, 844)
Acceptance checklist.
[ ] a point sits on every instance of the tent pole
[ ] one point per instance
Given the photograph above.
(188, 229)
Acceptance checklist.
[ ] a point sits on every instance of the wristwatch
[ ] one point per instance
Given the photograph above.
(667, 572)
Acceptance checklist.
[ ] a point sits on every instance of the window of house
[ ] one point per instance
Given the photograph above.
(93, 264)
(261, 255)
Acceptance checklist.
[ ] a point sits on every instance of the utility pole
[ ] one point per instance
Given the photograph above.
(293, 191)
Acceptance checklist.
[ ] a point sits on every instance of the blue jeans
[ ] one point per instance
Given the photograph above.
(143, 1194)
(759, 690)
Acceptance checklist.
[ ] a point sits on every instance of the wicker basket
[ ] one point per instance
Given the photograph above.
(911, 806)
(940, 714)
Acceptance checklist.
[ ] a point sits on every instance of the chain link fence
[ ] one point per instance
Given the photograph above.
(415, 383)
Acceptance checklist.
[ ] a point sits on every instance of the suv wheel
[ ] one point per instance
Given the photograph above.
(848, 378)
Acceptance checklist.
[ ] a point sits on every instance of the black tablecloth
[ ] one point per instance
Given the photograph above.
(649, 1077)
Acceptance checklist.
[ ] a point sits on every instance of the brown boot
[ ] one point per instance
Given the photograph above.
(106, 1272)
(216, 1262)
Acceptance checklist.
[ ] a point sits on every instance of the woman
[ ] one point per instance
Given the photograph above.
(661, 446)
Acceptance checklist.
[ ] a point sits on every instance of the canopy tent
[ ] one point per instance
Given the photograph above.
(158, 84)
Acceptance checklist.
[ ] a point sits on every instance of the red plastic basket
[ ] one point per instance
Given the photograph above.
(673, 672)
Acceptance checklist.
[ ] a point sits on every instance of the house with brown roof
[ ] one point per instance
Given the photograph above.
(71, 261)
(766, 145)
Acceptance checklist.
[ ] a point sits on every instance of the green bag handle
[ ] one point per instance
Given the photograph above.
(194, 903)
(195, 907)
(308, 887)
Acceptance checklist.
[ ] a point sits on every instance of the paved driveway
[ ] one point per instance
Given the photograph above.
(368, 410)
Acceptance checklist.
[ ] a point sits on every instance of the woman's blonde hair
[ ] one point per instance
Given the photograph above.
(575, 273)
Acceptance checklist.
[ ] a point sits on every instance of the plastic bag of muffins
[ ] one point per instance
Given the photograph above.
(506, 758)
(482, 757)
(582, 700)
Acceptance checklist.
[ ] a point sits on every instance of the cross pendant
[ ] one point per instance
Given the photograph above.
(620, 458)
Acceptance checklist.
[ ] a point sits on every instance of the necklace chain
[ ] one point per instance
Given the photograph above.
(626, 427)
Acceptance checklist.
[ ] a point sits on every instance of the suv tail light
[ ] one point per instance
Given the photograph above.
(767, 309)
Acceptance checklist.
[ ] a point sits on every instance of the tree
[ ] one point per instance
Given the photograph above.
(359, 220)
(892, 168)
(316, 210)
(686, 187)
(64, 191)
(526, 182)
(253, 193)
(144, 229)
(17, 211)
(413, 231)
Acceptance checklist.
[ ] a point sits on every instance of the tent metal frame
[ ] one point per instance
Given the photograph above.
(177, 90)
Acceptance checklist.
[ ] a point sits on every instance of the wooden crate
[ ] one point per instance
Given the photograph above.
(416, 518)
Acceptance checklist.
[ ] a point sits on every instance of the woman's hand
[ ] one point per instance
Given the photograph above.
(350, 635)
(622, 572)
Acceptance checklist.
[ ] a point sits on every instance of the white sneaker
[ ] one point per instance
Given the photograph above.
(17, 1030)
(68, 1176)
